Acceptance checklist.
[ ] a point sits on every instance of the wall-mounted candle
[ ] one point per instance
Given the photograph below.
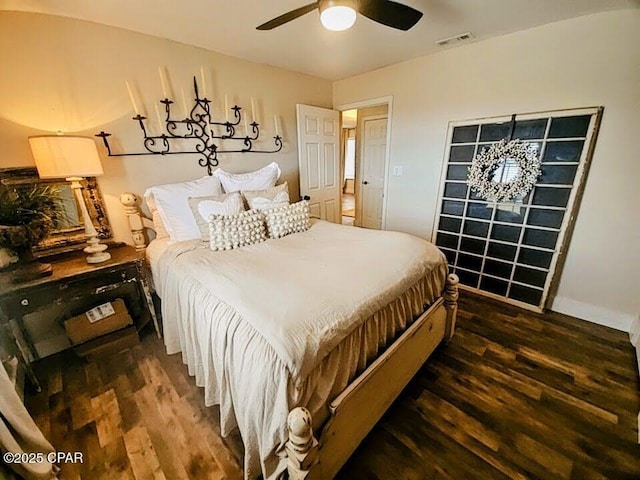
(184, 103)
(253, 110)
(204, 83)
(275, 124)
(132, 98)
(163, 82)
(246, 126)
(226, 107)
(159, 119)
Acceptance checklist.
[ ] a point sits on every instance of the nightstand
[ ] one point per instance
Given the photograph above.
(74, 288)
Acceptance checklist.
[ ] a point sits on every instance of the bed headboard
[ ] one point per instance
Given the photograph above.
(137, 222)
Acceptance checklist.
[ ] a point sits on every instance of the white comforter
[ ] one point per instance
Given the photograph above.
(253, 323)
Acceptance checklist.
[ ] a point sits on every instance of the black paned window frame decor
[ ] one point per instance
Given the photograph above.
(513, 250)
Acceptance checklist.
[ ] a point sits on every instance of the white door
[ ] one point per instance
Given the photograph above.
(374, 152)
(319, 159)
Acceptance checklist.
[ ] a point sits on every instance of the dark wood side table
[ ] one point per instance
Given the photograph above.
(74, 288)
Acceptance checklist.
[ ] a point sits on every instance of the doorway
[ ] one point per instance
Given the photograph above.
(349, 123)
(364, 165)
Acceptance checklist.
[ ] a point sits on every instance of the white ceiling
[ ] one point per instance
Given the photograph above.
(228, 26)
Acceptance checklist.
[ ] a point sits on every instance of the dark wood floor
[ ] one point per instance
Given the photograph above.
(514, 395)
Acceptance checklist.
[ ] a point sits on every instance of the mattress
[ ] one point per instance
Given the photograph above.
(289, 322)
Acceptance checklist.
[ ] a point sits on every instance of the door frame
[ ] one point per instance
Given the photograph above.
(373, 102)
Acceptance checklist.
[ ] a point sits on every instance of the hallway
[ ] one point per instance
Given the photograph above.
(348, 208)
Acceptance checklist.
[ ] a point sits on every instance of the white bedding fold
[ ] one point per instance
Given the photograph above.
(295, 290)
(290, 321)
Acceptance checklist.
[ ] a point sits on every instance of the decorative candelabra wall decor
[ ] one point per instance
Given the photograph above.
(198, 129)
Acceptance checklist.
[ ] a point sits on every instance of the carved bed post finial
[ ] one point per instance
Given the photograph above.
(130, 202)
(302, 446)
(451, 303)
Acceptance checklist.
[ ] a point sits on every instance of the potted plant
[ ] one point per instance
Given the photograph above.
(28, 212)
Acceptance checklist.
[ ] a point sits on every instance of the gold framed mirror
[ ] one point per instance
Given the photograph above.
(69, 234)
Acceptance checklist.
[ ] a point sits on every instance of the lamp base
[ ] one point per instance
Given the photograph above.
(96, 251)
(98, 257)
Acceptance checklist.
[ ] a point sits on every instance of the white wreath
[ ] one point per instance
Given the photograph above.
(486, 162)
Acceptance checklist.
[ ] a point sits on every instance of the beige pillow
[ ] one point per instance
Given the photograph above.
(273, 197)
(234, 231)
(283, 221)
(204, 207)
(158, 225)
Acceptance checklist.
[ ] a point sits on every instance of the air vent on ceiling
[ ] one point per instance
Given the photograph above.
(455, 39)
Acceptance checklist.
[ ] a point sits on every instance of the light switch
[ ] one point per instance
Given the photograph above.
(397, 170)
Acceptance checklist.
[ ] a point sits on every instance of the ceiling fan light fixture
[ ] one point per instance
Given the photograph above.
(341, 14)
(338, 18)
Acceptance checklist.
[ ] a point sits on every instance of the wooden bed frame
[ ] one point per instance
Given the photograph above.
(359, 407)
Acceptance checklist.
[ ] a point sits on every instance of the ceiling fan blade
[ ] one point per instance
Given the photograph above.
(287, 17)
(392, 14)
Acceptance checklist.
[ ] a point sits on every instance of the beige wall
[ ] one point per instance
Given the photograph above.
(69, 75)
(588, 61)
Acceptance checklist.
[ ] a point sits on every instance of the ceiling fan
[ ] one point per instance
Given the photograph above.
(341, 14)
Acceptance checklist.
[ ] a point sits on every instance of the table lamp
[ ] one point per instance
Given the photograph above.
(73, 158)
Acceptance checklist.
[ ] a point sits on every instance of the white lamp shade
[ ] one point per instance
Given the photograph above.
(338, 17)
(64, 156)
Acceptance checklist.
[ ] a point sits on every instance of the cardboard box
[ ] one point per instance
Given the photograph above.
(80, 329)
(108, 344)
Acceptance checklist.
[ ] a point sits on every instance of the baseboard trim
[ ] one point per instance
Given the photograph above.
(593, 313)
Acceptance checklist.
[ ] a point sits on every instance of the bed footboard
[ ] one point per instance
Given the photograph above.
(359, 407)
(302, 447)
(450, 296)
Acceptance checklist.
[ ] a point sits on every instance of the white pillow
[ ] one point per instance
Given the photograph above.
(283, 221)
(273, 197)
(172, 203)
(203, 207)
(261, 179)
(234, 231)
